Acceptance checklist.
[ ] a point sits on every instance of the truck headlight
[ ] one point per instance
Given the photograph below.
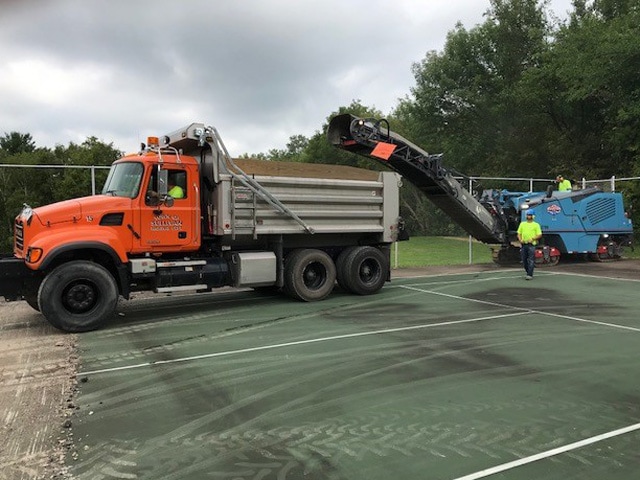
(33, 255)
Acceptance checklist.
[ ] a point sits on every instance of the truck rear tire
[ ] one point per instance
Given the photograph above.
(364, 271)
(340, 266)
(309, 275)
(78, 296)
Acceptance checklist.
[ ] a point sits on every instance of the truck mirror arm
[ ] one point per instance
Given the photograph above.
(166, 200)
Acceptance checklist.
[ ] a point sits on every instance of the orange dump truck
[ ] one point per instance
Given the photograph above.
(182, 215)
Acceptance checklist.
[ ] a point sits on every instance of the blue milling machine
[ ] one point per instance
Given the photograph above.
(587, 222)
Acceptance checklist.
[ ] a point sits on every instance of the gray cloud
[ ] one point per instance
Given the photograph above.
(259, 70)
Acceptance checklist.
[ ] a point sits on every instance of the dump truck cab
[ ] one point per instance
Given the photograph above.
(134, 214)
(161, 220)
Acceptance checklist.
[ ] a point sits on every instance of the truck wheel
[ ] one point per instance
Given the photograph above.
(340, 269)
(78, 296)
(365, 270)
(309, 275)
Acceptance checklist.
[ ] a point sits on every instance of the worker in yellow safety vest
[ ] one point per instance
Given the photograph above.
(529, 232)
(563, 185)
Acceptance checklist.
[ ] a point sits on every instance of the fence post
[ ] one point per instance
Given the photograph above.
(395, 255)
(613, 183)
(470, 237)
(93, 180)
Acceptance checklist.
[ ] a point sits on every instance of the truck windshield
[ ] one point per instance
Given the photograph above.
(124, 180)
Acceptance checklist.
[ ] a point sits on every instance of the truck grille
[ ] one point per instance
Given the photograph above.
(19, 235)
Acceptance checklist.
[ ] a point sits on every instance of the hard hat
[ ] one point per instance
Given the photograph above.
(530, 212)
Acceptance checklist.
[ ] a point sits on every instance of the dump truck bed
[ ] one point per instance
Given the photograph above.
(325, 198)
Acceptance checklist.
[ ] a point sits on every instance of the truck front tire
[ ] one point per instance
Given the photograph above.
(309, 275)
(78, 296)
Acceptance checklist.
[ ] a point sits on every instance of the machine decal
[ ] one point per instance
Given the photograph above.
(554, 209)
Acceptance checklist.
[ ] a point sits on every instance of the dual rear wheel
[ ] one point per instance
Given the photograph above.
(362, 270)
(310, 274)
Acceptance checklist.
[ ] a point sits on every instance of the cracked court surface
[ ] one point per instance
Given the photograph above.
(451, 376)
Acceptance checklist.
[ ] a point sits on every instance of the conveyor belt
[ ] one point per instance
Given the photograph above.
(372, 138)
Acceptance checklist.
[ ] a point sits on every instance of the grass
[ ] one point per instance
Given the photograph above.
(428, 251)
(425, 251)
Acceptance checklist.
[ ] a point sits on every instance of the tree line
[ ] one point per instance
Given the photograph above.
(37, 186)
(521, 94)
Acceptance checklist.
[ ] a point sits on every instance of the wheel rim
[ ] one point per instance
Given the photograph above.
(314, 275)
(79, 297)
(369, 271)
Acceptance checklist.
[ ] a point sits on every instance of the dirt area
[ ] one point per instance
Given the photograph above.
(37, 385)
(38, 366)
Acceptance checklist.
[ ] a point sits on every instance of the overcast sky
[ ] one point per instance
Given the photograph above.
(259, 71)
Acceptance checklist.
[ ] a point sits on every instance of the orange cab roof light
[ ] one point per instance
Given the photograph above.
(153, 141)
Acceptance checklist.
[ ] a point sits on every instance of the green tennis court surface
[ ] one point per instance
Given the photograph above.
(475, 375)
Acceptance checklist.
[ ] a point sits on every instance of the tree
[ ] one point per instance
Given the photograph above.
(76, 182)
(595, 65)
(18, 186)
(14, 143)
(293, 152)
(41, 186)
(318, 149)
(468, 101)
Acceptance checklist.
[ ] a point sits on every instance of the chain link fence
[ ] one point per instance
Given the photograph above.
(626, 185)
(526, 184)
(91, 171)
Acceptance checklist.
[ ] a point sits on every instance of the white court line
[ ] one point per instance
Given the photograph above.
(452, 274)
(593, 276)
(558, 450)
(509, 270)
(451, 282)
(522, 309)
(549, 453)
(290, 344)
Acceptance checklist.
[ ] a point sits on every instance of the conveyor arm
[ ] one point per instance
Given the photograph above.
(372, 138)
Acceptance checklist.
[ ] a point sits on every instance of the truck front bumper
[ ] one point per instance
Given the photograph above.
(14, 276)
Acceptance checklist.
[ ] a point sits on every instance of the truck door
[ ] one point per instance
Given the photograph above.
(168, 223)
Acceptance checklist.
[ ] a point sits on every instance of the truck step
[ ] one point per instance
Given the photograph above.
(180, 263)
(182, 288)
